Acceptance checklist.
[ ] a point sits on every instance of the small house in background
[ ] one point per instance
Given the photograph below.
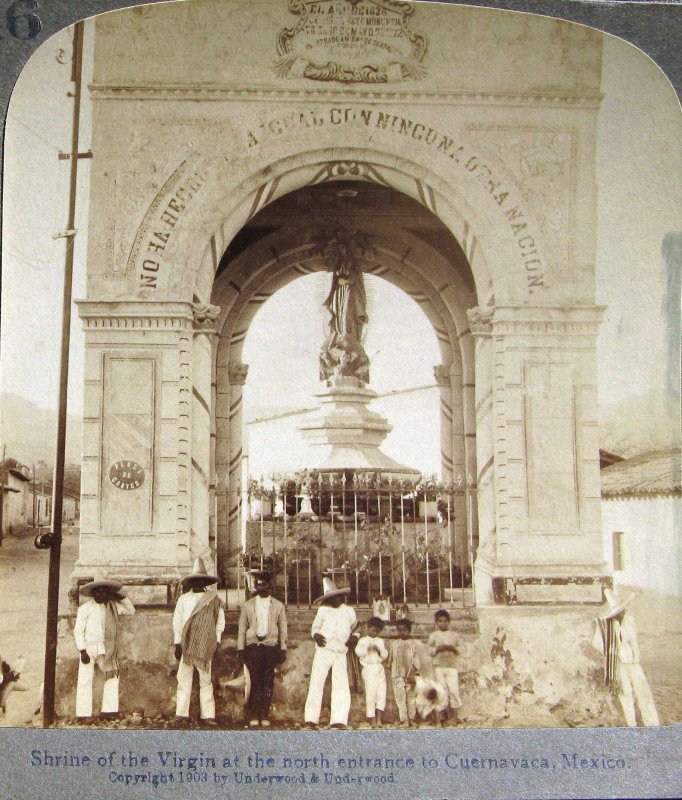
(641, 515)
(38, 501)
(14, 478)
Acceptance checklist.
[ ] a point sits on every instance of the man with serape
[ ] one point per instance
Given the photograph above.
(622, 669)
(198, 624)
(333, 630)
(96, 635)
(261, 646)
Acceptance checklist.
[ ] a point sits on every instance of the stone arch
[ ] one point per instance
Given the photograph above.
(468, 210)
(424, 274)
(480, 204)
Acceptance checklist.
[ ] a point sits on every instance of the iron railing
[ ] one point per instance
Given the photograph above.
(384, 537)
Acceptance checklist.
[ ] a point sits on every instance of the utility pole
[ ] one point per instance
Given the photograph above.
(2, 493)
(33, 504)
(54, 542)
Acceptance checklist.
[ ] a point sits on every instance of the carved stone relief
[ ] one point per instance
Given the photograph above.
(351, 41)
(542, 163)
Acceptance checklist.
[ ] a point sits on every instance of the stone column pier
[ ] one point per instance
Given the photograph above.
(480, 324)
(145, 443)
(536, 402)
(203, 488)
(229, 455)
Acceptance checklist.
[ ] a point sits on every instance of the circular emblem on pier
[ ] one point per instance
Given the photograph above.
(126, 475)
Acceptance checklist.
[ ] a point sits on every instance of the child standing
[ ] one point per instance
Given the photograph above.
(372, 653)
(443, 648)
(404, 663)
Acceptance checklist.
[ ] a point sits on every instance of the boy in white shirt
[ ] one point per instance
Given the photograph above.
(444, 647)
(372, 653)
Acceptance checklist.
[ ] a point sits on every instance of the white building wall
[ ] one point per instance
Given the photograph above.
(652, 546)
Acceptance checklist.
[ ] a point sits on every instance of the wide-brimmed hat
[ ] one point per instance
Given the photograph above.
(241, 681)
(199, 576)
(429, 695)
(616, 606)
(260, 575)
(113, 586)
(330, 590)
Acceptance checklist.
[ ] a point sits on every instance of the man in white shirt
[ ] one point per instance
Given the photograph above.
(198, 624)
(261, 646)
(96, 635)
(333, 630)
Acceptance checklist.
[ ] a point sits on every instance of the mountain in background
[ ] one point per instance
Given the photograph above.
(635, 425)
(29, 432)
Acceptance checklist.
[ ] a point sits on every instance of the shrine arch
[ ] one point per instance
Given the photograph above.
(421, 257)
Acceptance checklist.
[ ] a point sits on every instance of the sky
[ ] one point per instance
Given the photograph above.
(638, 171)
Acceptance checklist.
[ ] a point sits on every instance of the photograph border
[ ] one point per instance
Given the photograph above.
(651, 754)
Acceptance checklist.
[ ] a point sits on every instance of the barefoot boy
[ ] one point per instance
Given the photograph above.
(372, 653)
(404, 664)
(443, 649)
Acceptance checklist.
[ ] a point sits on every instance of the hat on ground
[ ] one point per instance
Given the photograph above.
(429, 696)
(616, 607)
(242, 681)
(199, 576)
(330, 590)
(112, 586)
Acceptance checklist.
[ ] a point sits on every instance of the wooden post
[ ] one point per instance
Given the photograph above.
(58, 481)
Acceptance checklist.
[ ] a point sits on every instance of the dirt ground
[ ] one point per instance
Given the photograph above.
(23, 588)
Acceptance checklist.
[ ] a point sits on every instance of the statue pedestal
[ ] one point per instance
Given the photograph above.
(346, 434)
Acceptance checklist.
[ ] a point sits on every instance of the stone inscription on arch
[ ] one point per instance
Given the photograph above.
(351, 41)
(161, 219)
(472, 163)
(460, 159)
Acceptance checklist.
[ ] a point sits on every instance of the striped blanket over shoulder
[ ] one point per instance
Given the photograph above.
(198, 636)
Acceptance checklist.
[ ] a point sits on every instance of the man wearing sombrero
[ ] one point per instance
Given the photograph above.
(198, 624)
(96, 635)
(621, 661)
(333, 630)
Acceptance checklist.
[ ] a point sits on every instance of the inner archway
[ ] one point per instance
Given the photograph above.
(411, 249)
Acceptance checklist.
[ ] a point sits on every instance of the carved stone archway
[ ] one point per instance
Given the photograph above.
(420, 261)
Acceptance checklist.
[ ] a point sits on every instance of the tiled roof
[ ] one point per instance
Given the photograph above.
(654, 473)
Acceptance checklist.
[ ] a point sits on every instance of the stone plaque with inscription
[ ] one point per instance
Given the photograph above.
(352, 41)
(126, 475)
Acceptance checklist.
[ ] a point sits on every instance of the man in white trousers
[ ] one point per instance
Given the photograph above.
(621, 662)
(198, 624)
(333, 630)
(96, 635)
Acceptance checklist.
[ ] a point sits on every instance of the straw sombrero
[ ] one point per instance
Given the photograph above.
(330, 590)
(429, 695)
(199, 576)
(616, 607)
(242, 681)
(113, 586)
